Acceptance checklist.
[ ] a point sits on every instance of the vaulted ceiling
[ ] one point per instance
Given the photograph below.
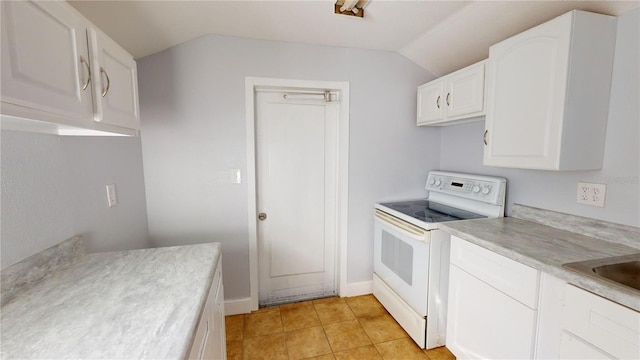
(440, 36)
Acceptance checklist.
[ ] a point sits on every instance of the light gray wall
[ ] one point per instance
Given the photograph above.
(193, 131)
(54, 187)
(462, 149)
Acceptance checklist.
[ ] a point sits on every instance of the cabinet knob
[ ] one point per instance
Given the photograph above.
(262, 216)
(484, 137)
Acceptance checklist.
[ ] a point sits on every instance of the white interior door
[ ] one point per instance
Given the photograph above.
(296, 161)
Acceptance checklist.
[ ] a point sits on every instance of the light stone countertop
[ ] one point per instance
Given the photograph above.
(129, 304)
(546, 249)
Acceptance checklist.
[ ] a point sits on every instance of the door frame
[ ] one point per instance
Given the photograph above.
(255, 83)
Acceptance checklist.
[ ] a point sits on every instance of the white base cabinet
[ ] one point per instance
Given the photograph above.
(594, 327)
(209, 341)
(492, 304)
(61, 75)
(502, 309)
(548, 94)
(454, 98)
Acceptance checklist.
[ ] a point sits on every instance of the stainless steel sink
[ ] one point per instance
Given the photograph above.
(619, 270)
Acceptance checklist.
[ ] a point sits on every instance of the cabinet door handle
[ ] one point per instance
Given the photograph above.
(106, 89)
(484, 137)
(86, 64)
(448, 95)
(438, 102)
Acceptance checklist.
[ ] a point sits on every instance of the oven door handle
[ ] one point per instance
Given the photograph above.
(409, 230)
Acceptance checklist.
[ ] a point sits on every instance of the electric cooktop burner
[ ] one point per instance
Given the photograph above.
(432, 212)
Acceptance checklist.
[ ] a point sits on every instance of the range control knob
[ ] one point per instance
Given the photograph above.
(486, 190)
(431, 181)
(438, 182)
(476, 189)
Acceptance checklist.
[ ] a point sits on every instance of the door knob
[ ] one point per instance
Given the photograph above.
(262, 216)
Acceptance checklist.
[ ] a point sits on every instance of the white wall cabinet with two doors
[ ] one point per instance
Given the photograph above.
(63, 73)
(454, 98)
(548, 94)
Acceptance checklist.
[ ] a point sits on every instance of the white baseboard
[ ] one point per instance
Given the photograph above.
(237, 306)
(357, 289)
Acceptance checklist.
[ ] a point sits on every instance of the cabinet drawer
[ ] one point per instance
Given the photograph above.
(510, 277)
(610, 327)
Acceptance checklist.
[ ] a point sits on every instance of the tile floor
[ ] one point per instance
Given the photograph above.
(333, 328)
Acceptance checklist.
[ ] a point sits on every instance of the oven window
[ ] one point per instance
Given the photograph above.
(397, 255)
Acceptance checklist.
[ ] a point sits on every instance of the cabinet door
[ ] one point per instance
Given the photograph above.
(31, 32)
(527, 87)
(572, 347)
(465, 92)
(218, 349)
(484, 323)
(431, 103)
(115, 89)
(210, 340)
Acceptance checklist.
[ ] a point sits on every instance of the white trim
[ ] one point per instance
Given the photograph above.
(251, 83)
(237, 306)
(359, 288)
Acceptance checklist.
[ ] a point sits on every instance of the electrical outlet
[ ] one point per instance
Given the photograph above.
(111, 195)
(591, 194)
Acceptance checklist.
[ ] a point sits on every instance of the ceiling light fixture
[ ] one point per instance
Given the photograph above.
(350, 7)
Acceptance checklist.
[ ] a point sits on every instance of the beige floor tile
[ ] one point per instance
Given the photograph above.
(261, 323)
(296, 304)
(382, 328)
(402, 349)
(306, 343)
(361, 353)
(328, 300)
(439, 353)
(346, 335)
(334, 311)
(365, 306)
(265, 347)
(234, 326)
(234, 349)
(322, 357)
(266, 309)
(299, 317)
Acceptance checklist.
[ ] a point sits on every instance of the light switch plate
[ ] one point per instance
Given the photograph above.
(111, 195)
(591, 194)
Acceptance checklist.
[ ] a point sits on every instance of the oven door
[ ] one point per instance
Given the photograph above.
(401, 259)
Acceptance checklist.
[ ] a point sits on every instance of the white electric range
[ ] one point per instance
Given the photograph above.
(411, 254)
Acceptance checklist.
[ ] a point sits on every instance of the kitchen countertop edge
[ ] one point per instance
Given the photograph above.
(545, 248)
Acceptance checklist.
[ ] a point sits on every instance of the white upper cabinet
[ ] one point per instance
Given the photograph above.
(115, 90)
(548, 94)
(453, 98)
(45, 61)
(55, 67)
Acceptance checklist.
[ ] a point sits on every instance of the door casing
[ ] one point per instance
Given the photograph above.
(253, 83)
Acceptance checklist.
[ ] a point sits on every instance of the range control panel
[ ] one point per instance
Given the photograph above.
(477, 187)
